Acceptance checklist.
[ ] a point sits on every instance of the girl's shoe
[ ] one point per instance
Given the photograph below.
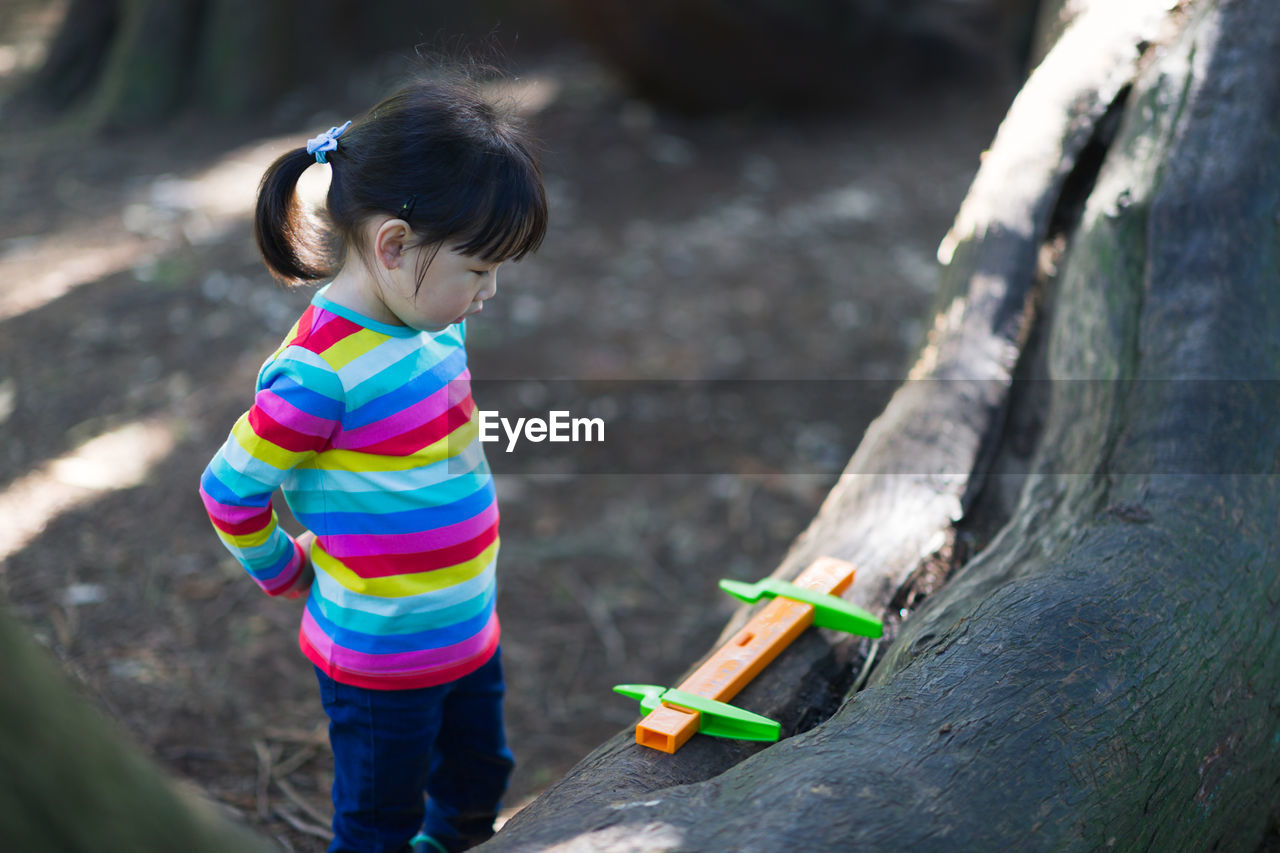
(426, 844)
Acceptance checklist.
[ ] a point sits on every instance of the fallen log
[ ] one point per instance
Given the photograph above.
(1104, 672)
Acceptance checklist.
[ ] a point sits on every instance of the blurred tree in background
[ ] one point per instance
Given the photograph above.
(123, 62)
(727, 54)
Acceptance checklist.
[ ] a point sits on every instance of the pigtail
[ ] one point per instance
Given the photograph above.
(291, 242)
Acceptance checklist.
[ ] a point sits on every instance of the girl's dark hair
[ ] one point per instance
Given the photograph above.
(436, 154)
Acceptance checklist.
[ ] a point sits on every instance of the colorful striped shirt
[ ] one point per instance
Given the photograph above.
(371, 432)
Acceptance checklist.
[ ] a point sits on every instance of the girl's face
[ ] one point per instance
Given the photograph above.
(389, 290)
(454, 287)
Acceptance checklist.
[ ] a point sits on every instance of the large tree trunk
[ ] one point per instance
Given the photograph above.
(1104, 672)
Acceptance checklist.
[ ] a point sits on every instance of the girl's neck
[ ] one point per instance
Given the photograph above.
(353, 287)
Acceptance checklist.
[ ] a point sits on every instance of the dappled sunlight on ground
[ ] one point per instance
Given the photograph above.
(51, 267)
(209, 206)
(119, 459)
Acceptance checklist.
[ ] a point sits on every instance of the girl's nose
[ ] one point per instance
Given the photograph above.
(491, 288)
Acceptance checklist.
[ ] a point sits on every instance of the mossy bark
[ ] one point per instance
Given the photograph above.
(70, 782)
(1104, 674)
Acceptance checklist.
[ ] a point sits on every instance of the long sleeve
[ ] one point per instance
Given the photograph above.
(295, 413)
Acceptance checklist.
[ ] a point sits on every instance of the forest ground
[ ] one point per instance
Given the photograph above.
(692, 264)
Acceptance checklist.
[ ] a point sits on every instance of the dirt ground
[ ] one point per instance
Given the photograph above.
(689, 254)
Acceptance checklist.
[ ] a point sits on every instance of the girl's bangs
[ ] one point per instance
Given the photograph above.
(510, 220)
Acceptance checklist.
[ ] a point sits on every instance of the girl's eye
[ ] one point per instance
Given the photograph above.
(481, 272)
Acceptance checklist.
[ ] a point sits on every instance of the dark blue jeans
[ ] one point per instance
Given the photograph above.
(390, 747)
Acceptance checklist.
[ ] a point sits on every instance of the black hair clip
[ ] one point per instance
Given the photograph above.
(406, 209)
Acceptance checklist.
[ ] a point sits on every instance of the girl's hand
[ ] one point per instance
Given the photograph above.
(302, 585)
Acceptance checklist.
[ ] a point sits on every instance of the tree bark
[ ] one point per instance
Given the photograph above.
(1104, 673)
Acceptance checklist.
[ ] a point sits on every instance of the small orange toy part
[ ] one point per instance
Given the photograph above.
(747, 652)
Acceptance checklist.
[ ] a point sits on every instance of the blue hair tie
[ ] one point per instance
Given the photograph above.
(327, 141)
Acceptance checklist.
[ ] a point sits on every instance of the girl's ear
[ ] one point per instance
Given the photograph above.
(390, 242)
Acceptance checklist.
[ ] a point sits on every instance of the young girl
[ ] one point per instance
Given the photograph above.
(364, 415)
